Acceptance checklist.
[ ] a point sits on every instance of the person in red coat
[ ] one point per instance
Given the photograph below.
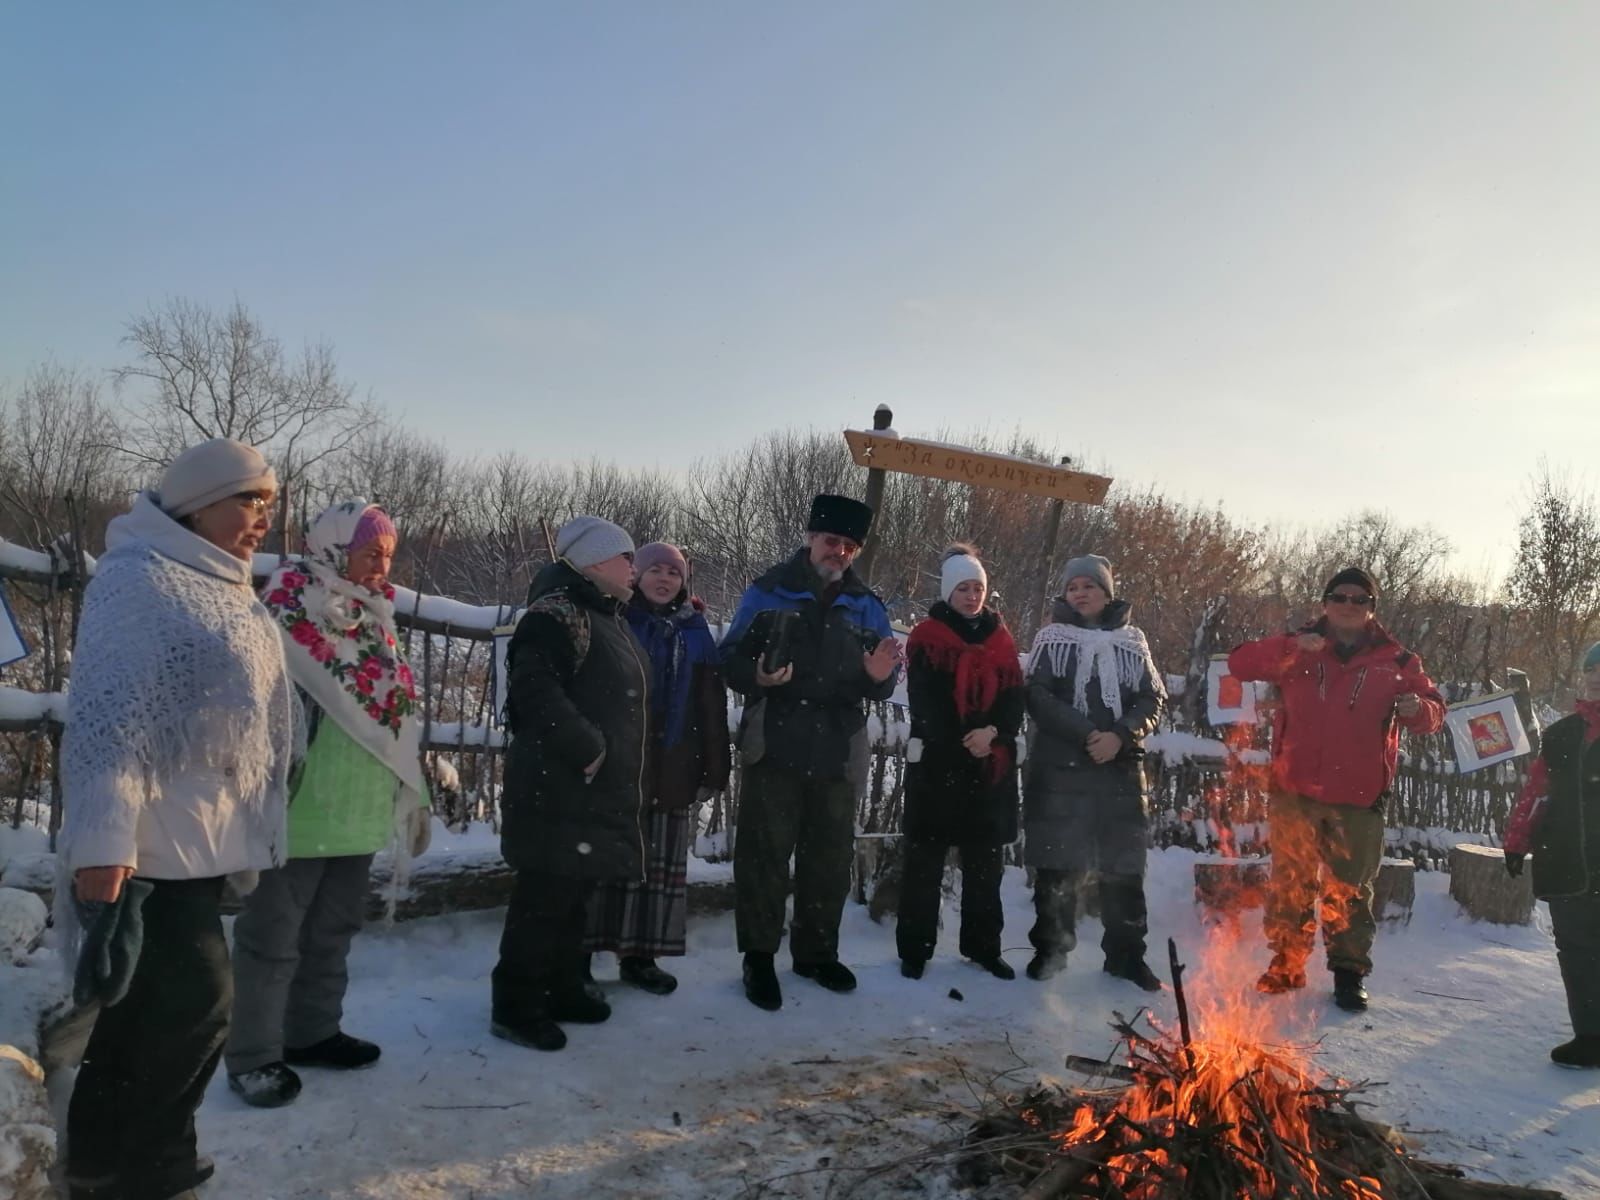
(1347, 689)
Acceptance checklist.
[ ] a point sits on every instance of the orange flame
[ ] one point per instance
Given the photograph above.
(1253, 1093)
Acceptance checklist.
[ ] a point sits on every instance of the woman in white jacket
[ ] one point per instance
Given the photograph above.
(175, 765)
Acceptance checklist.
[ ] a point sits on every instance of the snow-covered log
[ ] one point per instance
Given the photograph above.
(27, 1132)
(1479, 883)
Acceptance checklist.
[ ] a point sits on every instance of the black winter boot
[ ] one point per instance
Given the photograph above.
(761, 982)
(341, 1052)
(834, 976)
(533, 1029)
(1047, 964)
(997, 966)
(1349, 993)
(912, 968)
(1134, 969)
(576, 1005)
(643, 973)
(1582, 1051)
(271, 1086)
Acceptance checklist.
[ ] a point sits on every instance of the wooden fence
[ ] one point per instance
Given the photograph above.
(453, 648)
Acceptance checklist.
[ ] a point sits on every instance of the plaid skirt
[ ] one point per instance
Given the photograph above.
(648, 919)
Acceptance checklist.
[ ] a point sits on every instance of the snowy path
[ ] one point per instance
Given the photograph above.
(701, 1095)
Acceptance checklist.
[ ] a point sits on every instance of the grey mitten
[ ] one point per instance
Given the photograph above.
(113, 934)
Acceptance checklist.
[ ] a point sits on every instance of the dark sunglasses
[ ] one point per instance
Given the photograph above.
(1343, 598)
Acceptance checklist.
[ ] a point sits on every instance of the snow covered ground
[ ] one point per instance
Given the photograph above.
(701, 1095)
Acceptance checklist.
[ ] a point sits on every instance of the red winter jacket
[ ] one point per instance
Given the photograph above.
(1523, 823)
(1336, 736)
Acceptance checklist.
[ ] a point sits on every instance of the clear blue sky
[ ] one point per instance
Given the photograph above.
(1298, 258)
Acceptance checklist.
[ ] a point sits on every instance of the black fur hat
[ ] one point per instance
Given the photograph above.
(840, 515)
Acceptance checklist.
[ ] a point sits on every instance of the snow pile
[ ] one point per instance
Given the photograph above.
(23, 917)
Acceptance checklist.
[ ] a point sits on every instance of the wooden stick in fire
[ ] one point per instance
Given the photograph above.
(1183, 1002)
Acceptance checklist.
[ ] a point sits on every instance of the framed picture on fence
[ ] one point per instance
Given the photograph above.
(1229, 699)
(1487, 730)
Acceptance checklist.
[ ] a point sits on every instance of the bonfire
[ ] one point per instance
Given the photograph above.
(1222, 1113)
(1224, 1107)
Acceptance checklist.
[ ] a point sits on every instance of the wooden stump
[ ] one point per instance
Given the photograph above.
(1395, 890)
(1479, 883)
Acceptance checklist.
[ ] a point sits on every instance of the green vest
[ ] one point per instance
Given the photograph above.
(344, 803)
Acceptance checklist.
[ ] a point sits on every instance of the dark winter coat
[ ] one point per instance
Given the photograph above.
(1558, 814)
(1061, 778)
(962, 675)
(576, 686)
(688, 721)
(806, 726)
(1336, 736)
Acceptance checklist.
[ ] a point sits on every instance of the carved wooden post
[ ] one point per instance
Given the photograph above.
(882, 418)
(1047, 553)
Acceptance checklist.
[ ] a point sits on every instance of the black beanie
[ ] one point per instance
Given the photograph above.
(1356, 576)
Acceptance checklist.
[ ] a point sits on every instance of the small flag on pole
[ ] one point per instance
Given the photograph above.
(1487, 730)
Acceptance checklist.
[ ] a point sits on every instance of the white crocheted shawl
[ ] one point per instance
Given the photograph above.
(176, 663)
(1118, 658)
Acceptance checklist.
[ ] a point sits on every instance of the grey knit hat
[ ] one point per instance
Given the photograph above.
(1089, 566)
(212, 471)
(584, 541)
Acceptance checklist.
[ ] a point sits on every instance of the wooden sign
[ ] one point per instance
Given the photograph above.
(930, 459)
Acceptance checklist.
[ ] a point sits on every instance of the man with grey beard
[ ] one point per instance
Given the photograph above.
(808, 646)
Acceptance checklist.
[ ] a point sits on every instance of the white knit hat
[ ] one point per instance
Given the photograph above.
(212, 471)
(584, 541)
(957, 568)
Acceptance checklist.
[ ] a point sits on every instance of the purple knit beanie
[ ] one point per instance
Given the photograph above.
(374, 523)
(655, 554)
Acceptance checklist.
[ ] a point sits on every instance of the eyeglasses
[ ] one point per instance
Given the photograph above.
(255, 502)
(1346, 598)
(834, 542)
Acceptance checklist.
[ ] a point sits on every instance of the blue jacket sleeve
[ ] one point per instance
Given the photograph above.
(741, 644)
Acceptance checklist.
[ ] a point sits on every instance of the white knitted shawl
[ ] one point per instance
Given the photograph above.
(1120, 658)
(176, 663)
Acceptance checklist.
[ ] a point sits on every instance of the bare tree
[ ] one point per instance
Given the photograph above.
(1555, 579)
(204, 374)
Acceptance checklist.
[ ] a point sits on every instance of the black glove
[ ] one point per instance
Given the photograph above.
(1514, 863)
(112, 937)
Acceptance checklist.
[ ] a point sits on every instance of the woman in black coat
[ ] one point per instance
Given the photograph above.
(1093, 697)
(964, 682)
(576, 698)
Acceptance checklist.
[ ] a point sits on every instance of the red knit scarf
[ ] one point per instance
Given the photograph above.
(982, 671)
